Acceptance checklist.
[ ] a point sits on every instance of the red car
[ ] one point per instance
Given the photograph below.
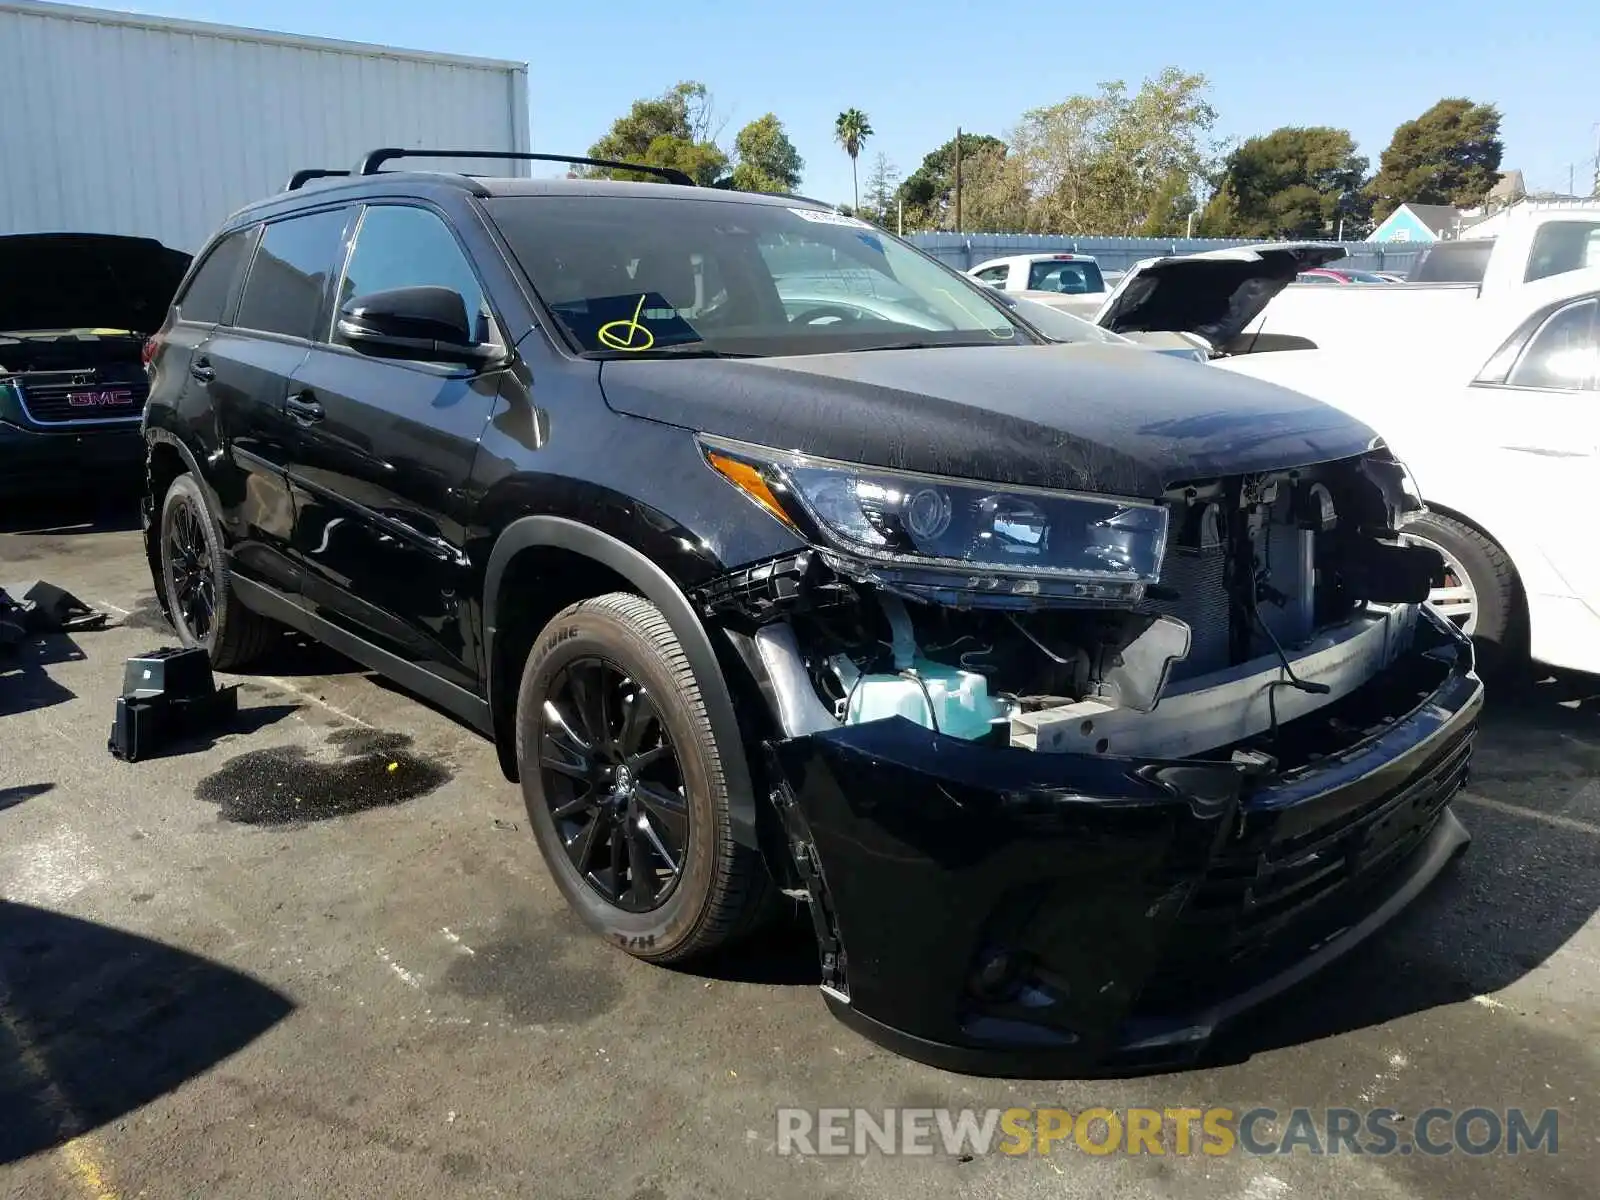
(1328, 275)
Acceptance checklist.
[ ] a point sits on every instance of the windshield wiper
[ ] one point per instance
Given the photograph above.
(681, 350)
(926, 345)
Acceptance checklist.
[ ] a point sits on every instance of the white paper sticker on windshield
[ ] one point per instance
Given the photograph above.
(829, 218)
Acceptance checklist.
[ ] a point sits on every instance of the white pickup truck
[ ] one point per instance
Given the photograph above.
(1536, 242)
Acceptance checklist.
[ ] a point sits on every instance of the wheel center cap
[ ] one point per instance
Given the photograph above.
(622, 785)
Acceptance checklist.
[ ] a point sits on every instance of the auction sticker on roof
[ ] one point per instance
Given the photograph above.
(829, 218)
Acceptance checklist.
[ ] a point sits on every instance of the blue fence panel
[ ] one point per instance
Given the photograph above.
(966, 250)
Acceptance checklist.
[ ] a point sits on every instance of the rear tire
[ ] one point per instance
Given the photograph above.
(633, 819)
(200, 601)
(1499, 620)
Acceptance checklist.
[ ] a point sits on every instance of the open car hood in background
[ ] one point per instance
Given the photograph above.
(1215, 293)
(86, 281)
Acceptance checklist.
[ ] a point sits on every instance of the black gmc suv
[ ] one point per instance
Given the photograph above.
(1083, 694)
(75, 310)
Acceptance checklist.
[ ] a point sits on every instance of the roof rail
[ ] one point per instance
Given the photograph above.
(726, 185)
(371, 163)
(300, 178)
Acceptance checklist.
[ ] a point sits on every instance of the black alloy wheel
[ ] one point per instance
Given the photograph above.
(192, 574)
(194, 586)
(614, 785)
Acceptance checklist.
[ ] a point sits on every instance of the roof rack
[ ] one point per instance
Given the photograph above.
(370, 164)
(300, 178)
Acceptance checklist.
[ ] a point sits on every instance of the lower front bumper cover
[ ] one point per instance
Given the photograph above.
(35, 461)
(1006, 912)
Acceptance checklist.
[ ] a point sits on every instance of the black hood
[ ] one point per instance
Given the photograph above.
(1215, 293)
(86, 281)
(1106, 419)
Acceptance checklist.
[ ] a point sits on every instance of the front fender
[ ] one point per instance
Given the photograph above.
(659, 588)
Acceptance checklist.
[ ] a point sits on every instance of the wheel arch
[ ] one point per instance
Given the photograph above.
(608, 561)
(166, 458)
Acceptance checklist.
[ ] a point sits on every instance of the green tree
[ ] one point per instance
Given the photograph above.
(851, 130)
(881, 191)
(1294, 182)
(1449, 155)
(928, 192)
(768, 161)
(675, 129)
(1111, 163)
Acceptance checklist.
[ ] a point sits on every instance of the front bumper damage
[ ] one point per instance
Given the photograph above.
(996, 910)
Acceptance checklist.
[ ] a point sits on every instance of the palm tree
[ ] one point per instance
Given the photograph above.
(851, 131)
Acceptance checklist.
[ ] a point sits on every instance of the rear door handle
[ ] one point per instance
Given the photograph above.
(202, 370)
(303, 407)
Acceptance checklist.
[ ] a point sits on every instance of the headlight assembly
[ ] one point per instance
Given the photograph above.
(994, 537)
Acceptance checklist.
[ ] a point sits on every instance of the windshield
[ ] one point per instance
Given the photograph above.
(1075, 278)
(634, 275)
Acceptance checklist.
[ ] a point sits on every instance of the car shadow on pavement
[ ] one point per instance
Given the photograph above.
(1528, 883)
(95, 1022)
(25, 685)
(10, 797)
(782, 954)
(58, 516)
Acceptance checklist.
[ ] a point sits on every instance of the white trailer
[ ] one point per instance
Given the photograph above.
(120, 123)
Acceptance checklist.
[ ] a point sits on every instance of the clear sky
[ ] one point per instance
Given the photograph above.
(920, 70)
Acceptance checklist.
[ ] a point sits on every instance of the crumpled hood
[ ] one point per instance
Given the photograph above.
(86, 281)
(1105, 419)
(1215, 293)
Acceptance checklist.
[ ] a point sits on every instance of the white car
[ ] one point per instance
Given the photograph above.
(1499, 422)
(1050, 275)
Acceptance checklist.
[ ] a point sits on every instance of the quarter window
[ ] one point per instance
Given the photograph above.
(1564, 354)
(995, 275)
(290, 274)
(206, 297)
(400, 246)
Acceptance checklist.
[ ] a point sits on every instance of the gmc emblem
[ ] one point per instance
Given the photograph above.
(104, 398)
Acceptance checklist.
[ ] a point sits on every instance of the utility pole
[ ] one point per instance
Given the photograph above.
(958, 179)
(1597, 158)
(1188, 230)
(900, 217)
(1339, 237)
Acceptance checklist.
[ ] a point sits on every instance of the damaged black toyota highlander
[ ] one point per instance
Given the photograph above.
(1083, 694)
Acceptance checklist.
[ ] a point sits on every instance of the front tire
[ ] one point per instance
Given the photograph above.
(623, 781)
(200, 603)
(1482, 593)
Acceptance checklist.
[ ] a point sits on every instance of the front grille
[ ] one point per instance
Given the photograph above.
(1258, 904)
(59, 401)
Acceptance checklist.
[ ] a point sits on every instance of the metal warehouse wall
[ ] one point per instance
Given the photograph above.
(966, 250)
(116, 123)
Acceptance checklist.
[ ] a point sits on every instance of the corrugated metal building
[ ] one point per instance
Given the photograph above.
(112, 122)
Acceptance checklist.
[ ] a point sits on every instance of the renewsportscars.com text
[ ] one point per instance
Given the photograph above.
(1214, 1131)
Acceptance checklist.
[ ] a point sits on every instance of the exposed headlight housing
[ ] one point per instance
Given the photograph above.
(931, 533)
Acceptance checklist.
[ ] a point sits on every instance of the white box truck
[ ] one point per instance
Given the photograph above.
(118, 123)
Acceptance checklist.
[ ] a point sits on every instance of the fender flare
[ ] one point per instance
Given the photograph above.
(153, 436)
(656, 586)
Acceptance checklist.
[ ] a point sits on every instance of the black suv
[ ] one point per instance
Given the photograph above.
(75, 312)
(1084, 695)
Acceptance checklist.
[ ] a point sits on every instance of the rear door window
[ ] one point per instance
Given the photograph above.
(205, 300)
(289, 274)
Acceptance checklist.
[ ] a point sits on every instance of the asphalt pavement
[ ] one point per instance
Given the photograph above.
(317, 955)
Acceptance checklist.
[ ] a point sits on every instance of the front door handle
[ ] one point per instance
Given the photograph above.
(202, 370)
(303, 407)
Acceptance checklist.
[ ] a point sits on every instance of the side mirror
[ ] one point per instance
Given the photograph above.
(427, 324)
